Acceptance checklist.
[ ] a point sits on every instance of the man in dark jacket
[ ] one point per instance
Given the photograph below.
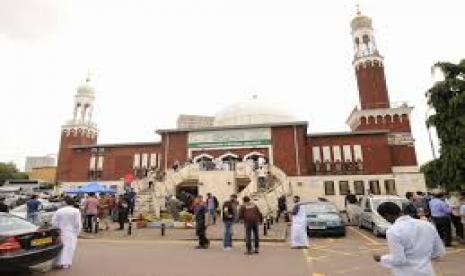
(229, 216)
(200, 210)
(409, 208)
(252, 217)
(282, 206)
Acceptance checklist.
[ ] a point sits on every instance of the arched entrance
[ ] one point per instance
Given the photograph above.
(229, 160)
(203, 158)
(253, 156)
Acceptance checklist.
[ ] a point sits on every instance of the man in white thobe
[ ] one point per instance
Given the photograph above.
(412, 243)
(299, 237)
(68, 220)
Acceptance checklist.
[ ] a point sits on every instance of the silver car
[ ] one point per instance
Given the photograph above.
(368, 216)
(46, 211)
(323, 218)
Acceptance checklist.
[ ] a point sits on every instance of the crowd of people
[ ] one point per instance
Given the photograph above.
(90, 213)
(444, 211)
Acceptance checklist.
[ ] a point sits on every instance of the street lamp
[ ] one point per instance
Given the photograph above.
(433, 151)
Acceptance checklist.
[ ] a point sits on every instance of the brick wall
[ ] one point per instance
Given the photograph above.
(372, 86)
(284, 149)
(403, 156)
(375, 150)
(396, 123)
(176, 145)
(73, 166)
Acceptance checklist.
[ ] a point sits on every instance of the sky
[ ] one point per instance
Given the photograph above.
(153, 60)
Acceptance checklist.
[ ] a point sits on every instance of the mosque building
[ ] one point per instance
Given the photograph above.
(376, 156)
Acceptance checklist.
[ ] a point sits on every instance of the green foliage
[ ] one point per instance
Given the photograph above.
(9, 171)
(432, 172)
(447, 97)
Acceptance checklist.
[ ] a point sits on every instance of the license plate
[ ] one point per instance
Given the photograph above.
(41, 242)
(316, 227)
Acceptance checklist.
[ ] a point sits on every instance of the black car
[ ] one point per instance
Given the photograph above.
(23, 244)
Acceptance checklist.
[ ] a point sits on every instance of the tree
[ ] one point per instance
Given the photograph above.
(432, 172)
(447, 97)
(9, 171)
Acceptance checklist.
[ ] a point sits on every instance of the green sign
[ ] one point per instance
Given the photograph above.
(230, 138)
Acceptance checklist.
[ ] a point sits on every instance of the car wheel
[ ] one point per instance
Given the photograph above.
(376, 230)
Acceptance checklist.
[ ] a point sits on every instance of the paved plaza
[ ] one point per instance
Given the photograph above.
(351, 255)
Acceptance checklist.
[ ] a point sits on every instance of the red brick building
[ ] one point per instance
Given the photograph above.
(377, 154)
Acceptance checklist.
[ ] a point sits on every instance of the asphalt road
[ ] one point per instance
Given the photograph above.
(351, 255)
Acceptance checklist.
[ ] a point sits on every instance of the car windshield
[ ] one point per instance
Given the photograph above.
(320, 208)
(399, 201)
(12, 223)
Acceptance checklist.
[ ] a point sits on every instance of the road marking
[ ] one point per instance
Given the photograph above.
(371, 240)
(317, 274)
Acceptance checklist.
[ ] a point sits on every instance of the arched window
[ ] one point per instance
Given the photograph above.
(203, 157)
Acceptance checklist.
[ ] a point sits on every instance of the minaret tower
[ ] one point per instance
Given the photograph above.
(368, 64)
(376, 112)
(81, 130)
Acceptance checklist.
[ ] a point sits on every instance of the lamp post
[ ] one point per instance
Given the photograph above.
(433, 151)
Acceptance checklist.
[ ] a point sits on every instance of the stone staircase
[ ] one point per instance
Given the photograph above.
(153, 201)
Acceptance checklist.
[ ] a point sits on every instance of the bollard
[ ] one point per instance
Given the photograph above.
(163, 227)
(97, 223)
(268, 223)
(271, 220)
(277, 218)
(130, 226)
(265, 230)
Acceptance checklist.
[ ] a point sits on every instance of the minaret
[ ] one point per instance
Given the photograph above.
(368, 64)
(375, 111)
(80, 130)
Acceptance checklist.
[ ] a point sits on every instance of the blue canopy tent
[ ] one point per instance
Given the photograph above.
(92, 187)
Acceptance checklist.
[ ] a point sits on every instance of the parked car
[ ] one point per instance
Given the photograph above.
(23, 244)
(368, 216)
(323, 218)
(46, 211)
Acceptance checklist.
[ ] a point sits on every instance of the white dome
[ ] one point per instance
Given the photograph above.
(86, 88)
(252, 111)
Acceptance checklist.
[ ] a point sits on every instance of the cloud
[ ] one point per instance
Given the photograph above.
(32, 19)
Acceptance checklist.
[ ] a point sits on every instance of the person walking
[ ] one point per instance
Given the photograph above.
(282, 207)
(122, 206)
(200, 211)
(410, 208)
(252, 217)
(229, 217)
(212, 205)
(104, 211)
(454, 204)
(299, 239)
(462, 213)
(412, 243)
(91, 210)
(131, 200)
(68, 220)
(350, 203)
(32, 209)
(440, 214)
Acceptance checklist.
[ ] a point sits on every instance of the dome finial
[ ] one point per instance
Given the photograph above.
(88, 78)
(357, 8)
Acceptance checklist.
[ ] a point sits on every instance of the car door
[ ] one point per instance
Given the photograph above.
(366, 217)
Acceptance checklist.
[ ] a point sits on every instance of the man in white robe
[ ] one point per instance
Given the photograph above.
(412, 243)
(299, 238)
(68, 220)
